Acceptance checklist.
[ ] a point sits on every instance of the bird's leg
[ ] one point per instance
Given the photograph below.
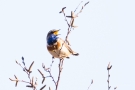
(61, 63)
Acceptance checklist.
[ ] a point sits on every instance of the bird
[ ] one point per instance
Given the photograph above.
(57, 47)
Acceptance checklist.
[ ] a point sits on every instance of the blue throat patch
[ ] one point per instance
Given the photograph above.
(52, 39)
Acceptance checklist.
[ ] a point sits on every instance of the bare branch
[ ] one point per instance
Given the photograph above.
(65, 18)
(78, 6)
(108, 68)
(23, 61)
(16, 61)
(31, 66)
(16, 83)
(82, 8)
(62, 10)
(41, 73)
(72, 15)
(42, 87)
(12, 79)
(29, 86)
(86, 3)
(31, 81)
(92, 81)
(15, 77)
(90, 84)
(43, 80)
(50, 75)
(71, 22)
(60, 70)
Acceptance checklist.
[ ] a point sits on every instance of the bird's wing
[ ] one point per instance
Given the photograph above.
(66, 45)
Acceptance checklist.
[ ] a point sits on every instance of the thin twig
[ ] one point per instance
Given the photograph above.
(52, 77)
(82, 8)
(71, 22)
(60, 70)
(50, 74)
(19, 80)
(108, 68)
(69, 30)
(90, 84)
(42, 87)
(28, 72)
(78, 6)
(108, 80)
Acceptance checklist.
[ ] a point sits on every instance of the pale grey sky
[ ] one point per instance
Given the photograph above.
(105, 34)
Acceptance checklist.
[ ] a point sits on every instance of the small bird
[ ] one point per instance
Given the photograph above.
(57, 47)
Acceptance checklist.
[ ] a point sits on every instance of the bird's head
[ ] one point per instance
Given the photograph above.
(53, 32)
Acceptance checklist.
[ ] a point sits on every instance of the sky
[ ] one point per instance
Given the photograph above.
(105, 33)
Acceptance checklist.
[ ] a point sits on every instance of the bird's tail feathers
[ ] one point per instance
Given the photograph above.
(75, 54)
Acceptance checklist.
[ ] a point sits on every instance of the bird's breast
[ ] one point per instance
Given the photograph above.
(56, 46)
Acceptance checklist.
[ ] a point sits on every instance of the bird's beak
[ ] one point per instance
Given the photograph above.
(56, 32)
